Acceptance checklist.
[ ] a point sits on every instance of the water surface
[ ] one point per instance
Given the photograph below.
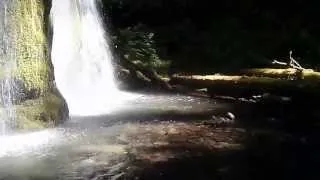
(84, 147)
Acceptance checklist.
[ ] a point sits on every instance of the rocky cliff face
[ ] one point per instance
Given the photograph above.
(37, 103)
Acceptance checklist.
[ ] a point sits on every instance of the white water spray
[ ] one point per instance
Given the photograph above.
(82, 58)
(7, 66)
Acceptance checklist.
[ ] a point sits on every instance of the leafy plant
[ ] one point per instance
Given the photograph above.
(137, 44)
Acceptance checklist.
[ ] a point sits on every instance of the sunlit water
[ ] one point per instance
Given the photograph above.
(85, 146)
(18, 144)
(82, 58)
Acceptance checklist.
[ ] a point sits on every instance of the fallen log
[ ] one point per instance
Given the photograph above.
(289, 70)
(243, 86)
(288, 73)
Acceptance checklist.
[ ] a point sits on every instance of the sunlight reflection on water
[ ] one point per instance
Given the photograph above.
(18, 144)
(97, 105)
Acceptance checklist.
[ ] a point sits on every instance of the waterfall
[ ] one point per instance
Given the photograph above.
(82, 58)
(7, 66)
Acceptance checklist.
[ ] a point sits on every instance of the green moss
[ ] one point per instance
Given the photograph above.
(39, 113)
(27, 19)
(32, 49)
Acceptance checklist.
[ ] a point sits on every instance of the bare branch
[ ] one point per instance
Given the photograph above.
(293, 63)
(279, 62)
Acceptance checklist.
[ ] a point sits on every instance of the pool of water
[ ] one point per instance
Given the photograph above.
(94, 147)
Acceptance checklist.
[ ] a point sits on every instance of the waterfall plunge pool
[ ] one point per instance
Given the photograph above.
(90, 145)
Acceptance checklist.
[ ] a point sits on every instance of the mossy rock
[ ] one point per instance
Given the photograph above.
(28, 58)
(43, 112)
(33, 62)
(39, 104)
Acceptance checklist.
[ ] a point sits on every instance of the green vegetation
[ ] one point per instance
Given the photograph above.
(201, 37)
(137, 45)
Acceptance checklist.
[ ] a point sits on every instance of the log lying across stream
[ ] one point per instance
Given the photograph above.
(288, 73)
(245, 85)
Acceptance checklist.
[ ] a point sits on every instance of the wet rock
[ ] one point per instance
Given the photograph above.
(30, 86)
(231, 116)
(12, 91)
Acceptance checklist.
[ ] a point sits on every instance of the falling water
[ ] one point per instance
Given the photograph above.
(82, 58)
(7, 66)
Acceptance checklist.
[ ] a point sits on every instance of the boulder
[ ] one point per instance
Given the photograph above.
(36, 101)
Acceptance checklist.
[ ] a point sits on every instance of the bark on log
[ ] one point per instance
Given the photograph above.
(289, 73)
(243, 86)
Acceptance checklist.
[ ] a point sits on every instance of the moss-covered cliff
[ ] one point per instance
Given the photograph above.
(42, 104)
(33, 65)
